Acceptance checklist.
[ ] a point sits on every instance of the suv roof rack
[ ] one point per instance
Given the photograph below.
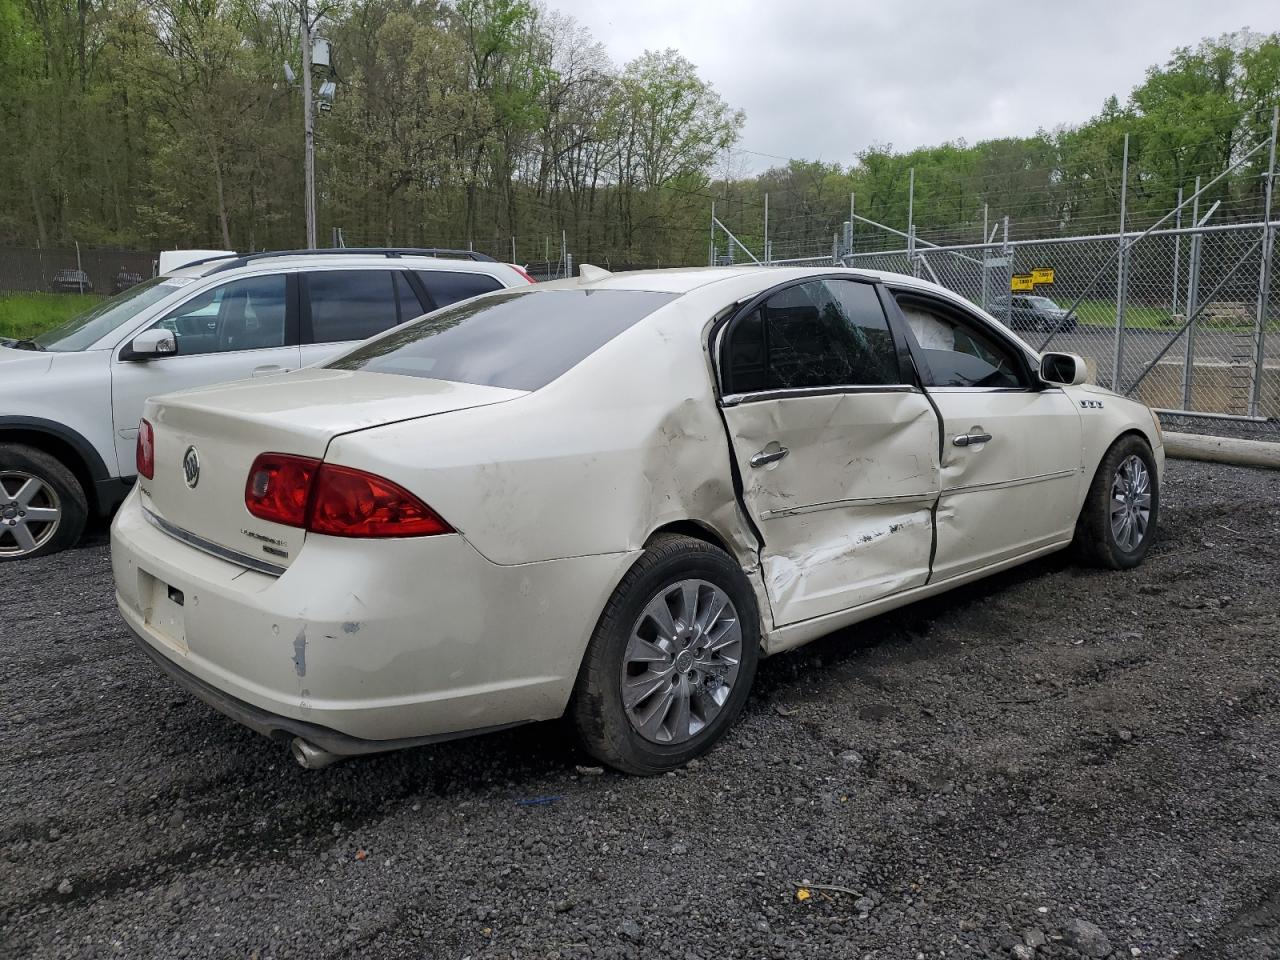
(390, 253)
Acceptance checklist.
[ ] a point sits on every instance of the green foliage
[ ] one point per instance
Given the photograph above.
(161, 123)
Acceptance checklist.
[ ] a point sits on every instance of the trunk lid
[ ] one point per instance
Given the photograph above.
(228, 426)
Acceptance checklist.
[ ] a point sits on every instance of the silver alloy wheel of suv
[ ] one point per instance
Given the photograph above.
(30, 513)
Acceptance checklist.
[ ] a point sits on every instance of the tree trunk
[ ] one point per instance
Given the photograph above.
(41, 232)
(222, 203)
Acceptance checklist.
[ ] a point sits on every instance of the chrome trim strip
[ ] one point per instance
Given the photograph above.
(1002, 484)
(927, 497)
(962, 390)
(785, 393)
(209, 547)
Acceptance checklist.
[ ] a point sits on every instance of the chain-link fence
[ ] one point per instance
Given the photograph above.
(1191, 327)
(1185, 318)
(58, 270)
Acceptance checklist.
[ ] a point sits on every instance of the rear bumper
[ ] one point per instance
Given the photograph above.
(286, 728)
(364, 645)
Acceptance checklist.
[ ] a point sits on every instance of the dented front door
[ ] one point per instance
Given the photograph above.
(837, 451)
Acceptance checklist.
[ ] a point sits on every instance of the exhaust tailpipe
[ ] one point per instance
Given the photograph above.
(310, 756)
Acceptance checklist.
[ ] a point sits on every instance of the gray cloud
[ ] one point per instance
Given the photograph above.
(823, 79)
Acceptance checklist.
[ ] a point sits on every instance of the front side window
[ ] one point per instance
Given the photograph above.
(351, 304)
(521, 339)
(821, 333)
(246, 314)
(959, 353)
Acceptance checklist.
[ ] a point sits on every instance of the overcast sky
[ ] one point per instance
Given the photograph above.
(823, 79)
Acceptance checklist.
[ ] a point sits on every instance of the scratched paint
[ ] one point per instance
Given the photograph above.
(300, 652)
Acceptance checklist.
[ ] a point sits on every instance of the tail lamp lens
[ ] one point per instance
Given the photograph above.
(145, 452)
(338, 501)
(279, 488)
(524, 273)
(352, 503)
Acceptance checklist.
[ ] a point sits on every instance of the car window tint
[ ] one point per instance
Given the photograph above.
(351, 304)
(821, 333)
(246, 314)
(521, 339)
(410, 305)
(449, 286)
(959, 354)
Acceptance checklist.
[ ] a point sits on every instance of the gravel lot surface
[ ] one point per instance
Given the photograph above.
(1267, 430)
(1057, 762)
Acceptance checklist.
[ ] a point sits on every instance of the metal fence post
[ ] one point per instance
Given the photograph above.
(911, 221)
(1177, 254)
(766, 229)
(1193, 296)
(1122, 277)
(711, 258)
(1264, 273)
(1007, 291)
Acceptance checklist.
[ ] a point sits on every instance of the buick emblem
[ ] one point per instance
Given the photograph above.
(191, 467)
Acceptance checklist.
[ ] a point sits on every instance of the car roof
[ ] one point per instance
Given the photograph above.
(681, 280)
(333, 259)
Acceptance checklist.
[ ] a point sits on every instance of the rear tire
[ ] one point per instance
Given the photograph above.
(671, 661)
(1118, 521)
(43, 508)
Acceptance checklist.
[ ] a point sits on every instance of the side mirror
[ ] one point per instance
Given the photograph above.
(151, 345)
(1064, 368)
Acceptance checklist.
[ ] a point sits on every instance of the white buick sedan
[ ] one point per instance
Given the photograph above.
(606, 498)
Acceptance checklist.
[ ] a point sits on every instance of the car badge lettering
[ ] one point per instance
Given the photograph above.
(191, 467)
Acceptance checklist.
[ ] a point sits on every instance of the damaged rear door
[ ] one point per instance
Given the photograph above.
(836, 447)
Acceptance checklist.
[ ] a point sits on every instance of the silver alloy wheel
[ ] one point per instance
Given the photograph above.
(1130, 503)
(30, 513)
(681, 661)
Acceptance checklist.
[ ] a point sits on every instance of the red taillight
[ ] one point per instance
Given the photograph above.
(523, 272)
(338, 501)
(145, 452)
(351, 503)
(279, 488)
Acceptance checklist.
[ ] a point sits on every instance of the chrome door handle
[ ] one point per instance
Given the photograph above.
(773, 456)
(268, 369)
(966, 439)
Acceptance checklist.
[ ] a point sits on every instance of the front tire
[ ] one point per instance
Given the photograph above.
(1119, 518)
(43, 508)
(671, 661)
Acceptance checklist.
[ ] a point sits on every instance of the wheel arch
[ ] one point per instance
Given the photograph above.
(694, 529)
(59, 441)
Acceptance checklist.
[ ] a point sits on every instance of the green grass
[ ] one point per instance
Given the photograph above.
(24, 315)
(1102, 313)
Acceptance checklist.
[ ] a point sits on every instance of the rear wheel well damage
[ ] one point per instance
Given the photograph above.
(692, 529)
(697, 530)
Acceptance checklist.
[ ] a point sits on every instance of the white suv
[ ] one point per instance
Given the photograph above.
(71, 398)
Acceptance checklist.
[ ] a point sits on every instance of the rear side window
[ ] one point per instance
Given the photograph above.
(447, 286)
(351, 304)
(821, 333)
(522, 339)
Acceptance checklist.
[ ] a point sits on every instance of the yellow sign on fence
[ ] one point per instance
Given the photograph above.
(1042, 275)
(1021, 282)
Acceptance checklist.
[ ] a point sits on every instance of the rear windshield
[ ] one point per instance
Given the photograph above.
(519, 339)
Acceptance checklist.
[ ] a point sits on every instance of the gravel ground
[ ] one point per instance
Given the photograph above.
(1266, 430)
(1054, 763)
